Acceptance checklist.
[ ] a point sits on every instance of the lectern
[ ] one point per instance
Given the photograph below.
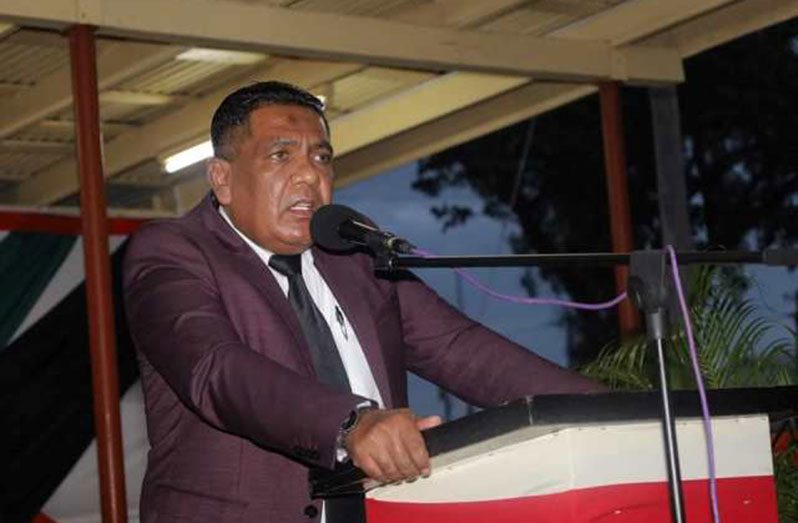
(587, 458)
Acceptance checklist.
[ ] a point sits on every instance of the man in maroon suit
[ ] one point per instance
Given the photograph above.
(262, 356)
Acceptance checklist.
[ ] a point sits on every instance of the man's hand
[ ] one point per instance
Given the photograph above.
(387, 445)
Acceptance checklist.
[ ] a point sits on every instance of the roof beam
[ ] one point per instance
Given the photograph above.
(6, 29)
(458, 127)
(38, 38)
(432, 99)
(171, 132)
(341, 37)
(138, 98)
(53, 93)
(69, 125)
(35, 147)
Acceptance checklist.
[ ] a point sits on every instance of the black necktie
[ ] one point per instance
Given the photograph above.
(326, 360)
(323, 351)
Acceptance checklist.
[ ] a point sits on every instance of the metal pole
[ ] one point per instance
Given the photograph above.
(618, 195)
(674, 212)
(648, 290)
(94, 225)
(669, 435)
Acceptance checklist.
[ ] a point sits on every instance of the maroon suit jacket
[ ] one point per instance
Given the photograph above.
(235, 414)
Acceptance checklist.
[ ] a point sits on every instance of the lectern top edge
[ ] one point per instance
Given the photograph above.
(556, 411)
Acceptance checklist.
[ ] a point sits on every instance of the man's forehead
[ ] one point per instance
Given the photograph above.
(279, 119)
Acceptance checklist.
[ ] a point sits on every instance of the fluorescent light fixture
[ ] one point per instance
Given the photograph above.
(188, 157)
(220, 56)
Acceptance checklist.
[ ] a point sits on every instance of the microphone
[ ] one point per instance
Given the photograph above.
(340, 228)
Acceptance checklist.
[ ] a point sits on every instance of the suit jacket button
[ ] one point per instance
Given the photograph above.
(311, 511)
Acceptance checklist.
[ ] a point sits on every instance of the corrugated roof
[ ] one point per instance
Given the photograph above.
(171, 97)
(24, 64)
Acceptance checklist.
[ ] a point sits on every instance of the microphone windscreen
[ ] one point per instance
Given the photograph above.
(325, 223)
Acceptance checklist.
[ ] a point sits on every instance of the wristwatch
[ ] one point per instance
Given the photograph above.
(353, 419)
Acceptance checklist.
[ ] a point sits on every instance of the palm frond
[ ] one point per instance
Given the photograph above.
(736, 348)
(785, 469)
(621, 366)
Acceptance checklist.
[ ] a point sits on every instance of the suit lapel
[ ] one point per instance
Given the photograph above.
(358, 313)
(262, 278)
(253, 269)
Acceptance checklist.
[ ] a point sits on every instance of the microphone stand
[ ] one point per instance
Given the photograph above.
(648, 290)
(387, 260)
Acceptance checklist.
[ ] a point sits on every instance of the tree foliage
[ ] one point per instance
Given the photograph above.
(739, 114)
(735, 346)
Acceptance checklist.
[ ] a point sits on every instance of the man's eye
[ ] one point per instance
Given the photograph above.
(324, 157)
(278, 155)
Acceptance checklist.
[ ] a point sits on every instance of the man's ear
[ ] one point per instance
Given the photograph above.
(220, 175)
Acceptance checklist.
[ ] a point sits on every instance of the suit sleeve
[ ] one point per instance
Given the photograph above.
(180, 326)
(470, 360)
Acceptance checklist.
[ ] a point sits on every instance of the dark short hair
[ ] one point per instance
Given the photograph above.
(233, 113)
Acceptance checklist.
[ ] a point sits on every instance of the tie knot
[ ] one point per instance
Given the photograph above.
(286, 264)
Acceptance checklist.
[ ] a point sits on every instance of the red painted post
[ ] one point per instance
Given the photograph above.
(105, 381)
(618, 195)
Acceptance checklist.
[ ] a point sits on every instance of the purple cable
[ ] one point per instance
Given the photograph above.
(713, 487)
(525, 300)
(713, 484)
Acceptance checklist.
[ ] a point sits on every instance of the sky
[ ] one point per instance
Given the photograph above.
(390, 201)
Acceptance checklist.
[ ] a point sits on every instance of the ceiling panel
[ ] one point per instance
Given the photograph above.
(22, 165)
(373, 8)
(544, 16)
(176, 77)
(25, 64)
(374, 82)
(63, 131)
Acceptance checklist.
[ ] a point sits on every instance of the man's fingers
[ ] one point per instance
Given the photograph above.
(417, 450)
(388, 447)
(402, 459)
(370, 468)
(403, 439)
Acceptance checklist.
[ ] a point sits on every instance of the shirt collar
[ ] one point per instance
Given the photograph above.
(263, 253)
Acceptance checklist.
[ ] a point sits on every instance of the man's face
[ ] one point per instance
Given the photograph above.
(281, 172)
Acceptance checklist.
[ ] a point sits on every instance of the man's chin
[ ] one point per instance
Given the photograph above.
(296, 245)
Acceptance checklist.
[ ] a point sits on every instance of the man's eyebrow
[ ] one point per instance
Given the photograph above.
(279, 142)
(325, 144)
(282, 142)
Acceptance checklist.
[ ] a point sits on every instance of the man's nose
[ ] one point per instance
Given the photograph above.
(306, 170)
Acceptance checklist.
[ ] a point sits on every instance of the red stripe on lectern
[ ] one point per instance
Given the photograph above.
(60, 224)
(741, 500)
(42, 518)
